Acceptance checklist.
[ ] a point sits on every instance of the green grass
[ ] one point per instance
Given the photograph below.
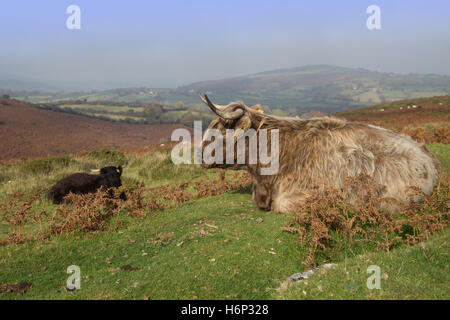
(152, 169)
(442, 151)
(243, 266)
(417, 272)
(218, 247)
(39, 175)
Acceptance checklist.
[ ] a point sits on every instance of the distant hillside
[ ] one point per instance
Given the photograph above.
(425, 119)
(28, 132)
(324, 88)
(321, 87)
(133, 112)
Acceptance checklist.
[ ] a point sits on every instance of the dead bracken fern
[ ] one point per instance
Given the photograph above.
(92, 212)
(327, 223)
(16, 213)
(438, 134)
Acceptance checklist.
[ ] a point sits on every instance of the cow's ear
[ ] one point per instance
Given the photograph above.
(244, 123)
(119, 170)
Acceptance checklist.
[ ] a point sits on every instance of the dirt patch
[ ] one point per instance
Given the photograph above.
(16, 288)
(163, 239)
(128, 267)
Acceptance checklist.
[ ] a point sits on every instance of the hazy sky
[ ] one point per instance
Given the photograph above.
(170, 43)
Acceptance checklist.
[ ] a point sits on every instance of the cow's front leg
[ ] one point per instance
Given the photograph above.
(289, 203)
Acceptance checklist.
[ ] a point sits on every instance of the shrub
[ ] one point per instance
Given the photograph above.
(107, 157)
(44, 165)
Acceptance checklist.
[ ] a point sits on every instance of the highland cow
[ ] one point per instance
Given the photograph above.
(82, 183)
(325, 151)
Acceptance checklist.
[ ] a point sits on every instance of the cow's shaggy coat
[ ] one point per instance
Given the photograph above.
(324, 151)
(82, 183)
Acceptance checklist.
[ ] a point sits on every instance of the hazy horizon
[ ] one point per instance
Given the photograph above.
(173, 43)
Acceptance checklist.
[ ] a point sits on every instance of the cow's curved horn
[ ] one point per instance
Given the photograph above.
(217, 110)
(95, 170)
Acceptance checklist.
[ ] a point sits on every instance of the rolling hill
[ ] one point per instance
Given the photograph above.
(28, 132)
(187, 232)
(318, 87)
(426, 120)
(322, 87)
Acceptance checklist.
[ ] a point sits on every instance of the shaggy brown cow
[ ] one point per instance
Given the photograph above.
(324, 151)
(82, 183)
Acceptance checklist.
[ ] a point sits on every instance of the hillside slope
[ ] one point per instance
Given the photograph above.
(187, 232)
(425, 119)
(27, 132)
(321, 87)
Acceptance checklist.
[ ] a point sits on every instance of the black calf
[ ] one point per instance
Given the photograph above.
(82, 183)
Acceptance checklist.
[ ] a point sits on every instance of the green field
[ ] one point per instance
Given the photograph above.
(107, 108)
(133, 112)
(218, 247)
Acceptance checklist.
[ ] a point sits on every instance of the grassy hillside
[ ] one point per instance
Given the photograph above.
(418, 272)
(214, 246)
(133, 112)
(324, 88)
(190, 233)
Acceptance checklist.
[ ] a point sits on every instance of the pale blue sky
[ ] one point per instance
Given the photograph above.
(170, 43)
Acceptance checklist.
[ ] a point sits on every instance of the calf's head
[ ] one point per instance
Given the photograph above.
(111, 176)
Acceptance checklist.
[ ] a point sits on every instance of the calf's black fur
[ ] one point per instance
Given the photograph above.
(82, 183)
